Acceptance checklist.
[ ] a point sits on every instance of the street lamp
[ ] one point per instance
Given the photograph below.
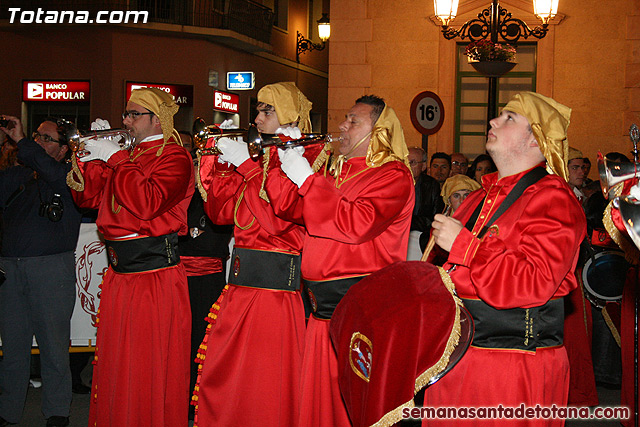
(324, 32)
(492, 23)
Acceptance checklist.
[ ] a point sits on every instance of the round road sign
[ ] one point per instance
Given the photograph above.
(427, 113)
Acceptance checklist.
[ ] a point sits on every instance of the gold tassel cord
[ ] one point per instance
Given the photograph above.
(75, 169)
(203, 192)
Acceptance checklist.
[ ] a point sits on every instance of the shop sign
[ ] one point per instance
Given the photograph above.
(182, 94)
(56, 91)
(223, 101)
(240, 80)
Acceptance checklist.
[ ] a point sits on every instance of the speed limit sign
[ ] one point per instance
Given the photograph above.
(427, 113)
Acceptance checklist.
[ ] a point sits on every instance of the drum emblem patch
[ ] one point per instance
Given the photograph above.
(312, 300)
(113, 257)
(360, 355)
(236, 266)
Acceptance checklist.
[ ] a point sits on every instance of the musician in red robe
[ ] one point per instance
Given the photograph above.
(251, 355)
(357, 222)
(614, 225)
(141, 372)
(513, 270)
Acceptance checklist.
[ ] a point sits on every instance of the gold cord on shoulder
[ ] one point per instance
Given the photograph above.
(71, 182)
(235, 213)
(201, 190)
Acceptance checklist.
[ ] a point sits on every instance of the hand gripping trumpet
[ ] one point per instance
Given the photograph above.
(76, 141)
(255, 140)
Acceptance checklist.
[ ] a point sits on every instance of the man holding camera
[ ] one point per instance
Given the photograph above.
(40, 226)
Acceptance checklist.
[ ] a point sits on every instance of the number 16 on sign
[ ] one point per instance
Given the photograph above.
(427, 113)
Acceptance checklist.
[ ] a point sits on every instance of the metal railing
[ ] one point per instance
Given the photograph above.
(242, 16)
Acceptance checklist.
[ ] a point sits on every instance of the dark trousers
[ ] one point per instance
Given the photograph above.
(203, 292)
(37, 298)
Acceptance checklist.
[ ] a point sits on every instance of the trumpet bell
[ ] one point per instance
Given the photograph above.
(613, 173)
(256, 141)
(630, 213)
(203, 133)
(77, 139)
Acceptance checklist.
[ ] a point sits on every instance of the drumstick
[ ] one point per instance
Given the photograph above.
(429, 248)
(432, 240)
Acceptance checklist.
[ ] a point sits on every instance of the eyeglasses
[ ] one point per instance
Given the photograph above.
(415, 162)
(46, 138)
(462, 164)
(134, 114)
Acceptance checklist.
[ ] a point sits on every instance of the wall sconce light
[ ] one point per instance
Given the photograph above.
(495, 21)
(324, 31)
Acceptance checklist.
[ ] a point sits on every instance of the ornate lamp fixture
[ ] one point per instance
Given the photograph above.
(493, 23)
(324, 32)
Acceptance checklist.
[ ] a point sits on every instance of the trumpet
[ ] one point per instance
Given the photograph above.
(256, 141)
(613, 173)
(77, 139)
(630, 213)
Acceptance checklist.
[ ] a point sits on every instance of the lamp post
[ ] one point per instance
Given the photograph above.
(324, 32)
(493, 23)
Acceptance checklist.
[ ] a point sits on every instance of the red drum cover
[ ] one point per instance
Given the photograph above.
(395, 332)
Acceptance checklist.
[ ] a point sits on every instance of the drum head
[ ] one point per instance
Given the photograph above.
(604, 275)
(466, 336)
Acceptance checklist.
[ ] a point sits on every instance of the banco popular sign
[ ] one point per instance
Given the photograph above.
(56, 91)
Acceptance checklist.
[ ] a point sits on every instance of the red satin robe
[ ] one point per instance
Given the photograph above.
(627, 322)
(141, 372)
(528, 258)
(252, 351)
(353, 229)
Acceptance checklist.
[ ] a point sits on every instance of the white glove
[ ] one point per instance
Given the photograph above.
(294, 166)
(635, 191)
(100, 124)
(292, 132)
(100, 149)
(228, 124)
(234, 152)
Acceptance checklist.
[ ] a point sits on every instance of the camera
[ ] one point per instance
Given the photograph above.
(4, 122)
(52, 210)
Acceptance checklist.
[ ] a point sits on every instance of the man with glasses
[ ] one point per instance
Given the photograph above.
(459, 164)
(40, 227)
(141, 370)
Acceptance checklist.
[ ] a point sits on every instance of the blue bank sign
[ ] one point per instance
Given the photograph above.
(242, 80)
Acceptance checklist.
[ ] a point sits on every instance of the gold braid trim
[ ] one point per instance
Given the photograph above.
(71, 182)
(265, 170)
(322, 158)
(612, 327)
(113, 205)
(395, 415)
(392, 417)
(631, 253)
(203, 192)
(235, 213)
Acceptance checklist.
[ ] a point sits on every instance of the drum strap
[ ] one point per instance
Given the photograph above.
(530, 178)
(255, 268)
(517, 328)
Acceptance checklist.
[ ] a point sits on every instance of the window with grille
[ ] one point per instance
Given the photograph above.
(472, 95)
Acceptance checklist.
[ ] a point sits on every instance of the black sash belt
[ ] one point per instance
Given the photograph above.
(143, 254)
(517, 328)
(264, 269)
(324, 296)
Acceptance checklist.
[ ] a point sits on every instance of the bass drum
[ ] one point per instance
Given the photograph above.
(603, 277)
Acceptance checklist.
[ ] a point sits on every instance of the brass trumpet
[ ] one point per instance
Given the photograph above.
(613, 173)
(255, 140)
(630, 213)
(76, 139)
